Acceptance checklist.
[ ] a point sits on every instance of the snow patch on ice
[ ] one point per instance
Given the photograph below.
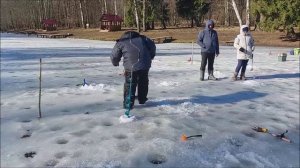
(170, 83)
(185, 108)
(99, 87)
(253, 83)
(126, 119)
(219, 74)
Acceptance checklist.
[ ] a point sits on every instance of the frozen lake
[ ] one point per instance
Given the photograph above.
(80, 126)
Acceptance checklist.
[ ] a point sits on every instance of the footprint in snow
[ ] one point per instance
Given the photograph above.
(60, 155)
(27, 134)
(80, 133)
(62, 141)
(107, 123)
(120, 136)
(251, 134)
(55, 128)
(51, 163)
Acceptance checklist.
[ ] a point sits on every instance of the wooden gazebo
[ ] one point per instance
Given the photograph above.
(49, 24)
(110, 22)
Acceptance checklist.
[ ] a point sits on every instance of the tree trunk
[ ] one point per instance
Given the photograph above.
(40, 11)
(226, 13)
(136, 16)
(45, 10)
(144, 16)
(162, 19)
(116, 11)
(86, 14)
(81, 14)
(237, 12)
(105, 6)
(124, 13)
(248, 13)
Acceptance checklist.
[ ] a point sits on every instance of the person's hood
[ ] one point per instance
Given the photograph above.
(129, 35)
(241, 29)
(209, 22)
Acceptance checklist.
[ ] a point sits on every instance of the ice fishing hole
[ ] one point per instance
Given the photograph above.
(65, 111)
(71, 77)
(55, 128)
(120, 136)
(30, 154)
(157, 159)
(62, 141)
(107, 123)
(26, 121)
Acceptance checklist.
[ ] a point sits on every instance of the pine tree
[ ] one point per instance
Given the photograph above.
(277, 14)
(192, 10)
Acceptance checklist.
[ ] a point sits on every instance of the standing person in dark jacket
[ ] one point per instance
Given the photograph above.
(137, 52)
(209, 43)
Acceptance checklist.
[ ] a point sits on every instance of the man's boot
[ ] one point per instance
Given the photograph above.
(202, 75)
(234, 78)
(211, 76)
(243, 77)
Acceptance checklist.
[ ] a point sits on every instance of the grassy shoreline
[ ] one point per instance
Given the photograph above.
(185, 35)
(188, 35)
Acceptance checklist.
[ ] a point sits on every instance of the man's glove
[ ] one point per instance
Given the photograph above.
(242, 49)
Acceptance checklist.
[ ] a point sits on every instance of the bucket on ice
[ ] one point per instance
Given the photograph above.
(296, 51)
(282, 57)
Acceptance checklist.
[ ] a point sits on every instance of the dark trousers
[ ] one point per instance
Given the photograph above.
(141, 81)
(241, 64)
(207, 57)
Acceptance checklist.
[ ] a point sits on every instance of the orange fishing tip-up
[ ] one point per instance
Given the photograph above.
(185, 138)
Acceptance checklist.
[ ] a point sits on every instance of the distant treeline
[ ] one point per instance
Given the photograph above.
(150, 14)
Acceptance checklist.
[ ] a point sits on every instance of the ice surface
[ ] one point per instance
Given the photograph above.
(80, 126)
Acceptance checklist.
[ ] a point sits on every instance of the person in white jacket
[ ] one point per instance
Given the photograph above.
(244, 44)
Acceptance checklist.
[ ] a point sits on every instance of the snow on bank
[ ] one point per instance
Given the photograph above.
(80, 125)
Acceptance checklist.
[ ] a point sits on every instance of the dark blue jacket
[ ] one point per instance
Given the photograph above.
(208, 40)
(137, 51)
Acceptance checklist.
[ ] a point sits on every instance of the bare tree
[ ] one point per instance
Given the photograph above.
(105, 6)
(248, 13)
(136, 16)
(144, 15)
(81, 13)
(226, 12)
(115, 3)
(237, 12)
(86, 13)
